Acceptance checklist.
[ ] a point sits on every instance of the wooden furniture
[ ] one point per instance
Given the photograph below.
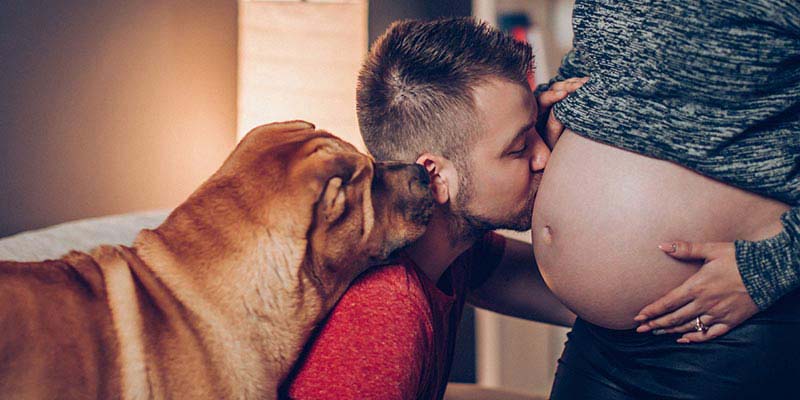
(466, 391)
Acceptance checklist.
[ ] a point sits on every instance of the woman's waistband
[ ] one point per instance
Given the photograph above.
(786, 310)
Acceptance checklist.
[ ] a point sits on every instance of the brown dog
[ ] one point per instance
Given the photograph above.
(218, 301)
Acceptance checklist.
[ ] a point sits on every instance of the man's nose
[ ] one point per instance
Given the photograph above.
(540, 153)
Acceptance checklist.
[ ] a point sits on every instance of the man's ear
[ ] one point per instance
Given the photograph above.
(443, 174)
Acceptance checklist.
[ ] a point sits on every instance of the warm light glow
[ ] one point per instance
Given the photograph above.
(115, 107)
(300, 60)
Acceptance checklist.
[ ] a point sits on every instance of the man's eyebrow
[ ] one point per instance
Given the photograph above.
(521, 132)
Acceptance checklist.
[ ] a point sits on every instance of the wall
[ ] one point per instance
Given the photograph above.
(383, 12)
(111, 106)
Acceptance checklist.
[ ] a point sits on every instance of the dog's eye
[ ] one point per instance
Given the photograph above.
(333, 201)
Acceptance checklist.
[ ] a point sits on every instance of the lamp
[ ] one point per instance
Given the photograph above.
(300, 60)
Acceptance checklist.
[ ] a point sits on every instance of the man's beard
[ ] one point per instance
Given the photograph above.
(466, 225)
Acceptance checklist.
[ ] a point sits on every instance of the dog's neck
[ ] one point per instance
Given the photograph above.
(239, 296)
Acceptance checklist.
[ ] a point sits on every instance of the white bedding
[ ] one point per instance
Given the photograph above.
(83, 235)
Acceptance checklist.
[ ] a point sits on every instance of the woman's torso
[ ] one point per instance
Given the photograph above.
(608, 209)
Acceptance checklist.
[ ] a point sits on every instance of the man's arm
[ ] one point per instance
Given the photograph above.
(516, 288)
(373, 345)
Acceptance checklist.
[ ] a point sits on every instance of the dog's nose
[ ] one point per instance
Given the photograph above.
(422, 173)
(397, 175)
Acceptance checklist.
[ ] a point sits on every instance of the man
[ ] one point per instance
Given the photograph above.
(453, 96)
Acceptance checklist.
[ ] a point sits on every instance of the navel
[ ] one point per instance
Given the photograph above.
(547, 235)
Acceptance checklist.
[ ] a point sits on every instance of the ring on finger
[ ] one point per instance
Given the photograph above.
(699, 326)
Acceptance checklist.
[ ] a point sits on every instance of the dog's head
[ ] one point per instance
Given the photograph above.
(352, 211)
(301, 203)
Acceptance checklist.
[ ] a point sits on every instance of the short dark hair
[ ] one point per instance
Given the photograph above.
(415, 88)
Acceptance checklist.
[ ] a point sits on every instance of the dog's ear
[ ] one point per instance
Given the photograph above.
(332, 203)
(334, 173)
(341, 192)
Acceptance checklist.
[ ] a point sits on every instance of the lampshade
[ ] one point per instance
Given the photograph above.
(300, 60)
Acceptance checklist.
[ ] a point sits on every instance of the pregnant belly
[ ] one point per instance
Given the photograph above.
(601, 212)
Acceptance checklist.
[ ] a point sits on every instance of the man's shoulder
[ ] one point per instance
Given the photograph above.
(395, 285)
(380, 329)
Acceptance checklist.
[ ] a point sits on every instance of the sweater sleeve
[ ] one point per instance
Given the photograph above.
(373, 345)
(771, 268)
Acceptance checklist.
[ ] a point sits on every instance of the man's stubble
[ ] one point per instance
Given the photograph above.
(467, 225)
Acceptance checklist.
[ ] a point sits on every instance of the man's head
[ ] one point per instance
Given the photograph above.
(453, 95)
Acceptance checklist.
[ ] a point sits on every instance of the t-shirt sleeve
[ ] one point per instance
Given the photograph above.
(373, 345)
(485, 257)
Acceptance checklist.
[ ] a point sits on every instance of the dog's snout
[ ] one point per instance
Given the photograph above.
(407, 187)
(410, 173)
(424, 178)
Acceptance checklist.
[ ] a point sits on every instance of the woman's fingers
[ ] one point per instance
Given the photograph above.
(674, 319)
(689, 250)
(714, 331)
(686, 327)
(569, 85)
(557, 92)
(548, 98)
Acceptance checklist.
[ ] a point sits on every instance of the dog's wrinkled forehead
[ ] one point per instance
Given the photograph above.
(298, 168)
(294, 156)
(324, 157)
(283, 144)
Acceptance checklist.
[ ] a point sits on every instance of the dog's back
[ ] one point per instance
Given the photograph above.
(56, 335)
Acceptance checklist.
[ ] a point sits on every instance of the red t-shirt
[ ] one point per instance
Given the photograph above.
(392, 334)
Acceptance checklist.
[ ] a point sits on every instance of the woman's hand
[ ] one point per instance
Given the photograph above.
(715, 294)
(549, 127)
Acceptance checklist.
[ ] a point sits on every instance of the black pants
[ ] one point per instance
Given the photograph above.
(759, 359)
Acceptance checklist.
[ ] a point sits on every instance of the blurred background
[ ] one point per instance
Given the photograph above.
(114, 106)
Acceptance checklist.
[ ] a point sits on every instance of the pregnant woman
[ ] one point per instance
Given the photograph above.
(688, 134)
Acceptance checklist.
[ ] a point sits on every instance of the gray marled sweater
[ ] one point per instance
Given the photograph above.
(711, 85)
